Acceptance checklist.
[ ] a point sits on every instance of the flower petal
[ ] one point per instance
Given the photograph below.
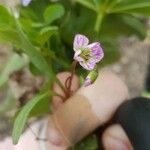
(96, 51)
(80, 41)
(77, 56)
(89, 65)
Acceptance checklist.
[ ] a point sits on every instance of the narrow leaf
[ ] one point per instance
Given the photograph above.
(132, 7)
(4, 18)
(34, 54)
(87, 4)
(21, 119)
(14, 63)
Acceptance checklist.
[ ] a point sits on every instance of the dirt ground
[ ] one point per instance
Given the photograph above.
(132, 67)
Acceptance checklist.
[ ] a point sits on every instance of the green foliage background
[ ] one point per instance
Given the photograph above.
(44, 31)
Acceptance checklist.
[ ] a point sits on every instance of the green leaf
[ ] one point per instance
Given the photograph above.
(13, 64)
(41, 108)
(115, 26)
(146, 94)
(34, 54)
(21, 118)
(135, 25)
(45, 34)
(111, 52)
(53, 12)
(8, 103)
(89, 143)
(132, 6)
(10, 36)
(88, 3)
(5, 18)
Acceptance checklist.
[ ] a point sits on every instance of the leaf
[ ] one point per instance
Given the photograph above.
(89, 143)
(136, 25)
(41, 108)
(118, 25)
(34, 54)
(88, 4)
(146, 94)
(45, 34)
(5, 18)
(111, 52)
(8, 102)
(132, 6)
(21, 118)
(13, 64)
(10, 37)
(53, 12)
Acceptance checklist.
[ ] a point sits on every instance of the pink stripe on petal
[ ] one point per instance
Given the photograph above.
(80, 41)
(89, 65)
(96, 51)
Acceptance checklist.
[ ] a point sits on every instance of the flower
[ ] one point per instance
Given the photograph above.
(25, 2)
(88, 55)
(91, 77)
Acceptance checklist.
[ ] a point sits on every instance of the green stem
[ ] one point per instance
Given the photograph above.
(68, 82)
(60, 96)
(100, 16)
(98, 22)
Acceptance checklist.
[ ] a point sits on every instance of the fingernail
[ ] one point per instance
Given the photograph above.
(116, 144)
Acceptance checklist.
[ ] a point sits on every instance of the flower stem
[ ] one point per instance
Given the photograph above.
(98, 22)
(56, 94)
(61, 85)
(68, 82)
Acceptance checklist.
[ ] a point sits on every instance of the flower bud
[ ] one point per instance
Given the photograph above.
(91, 77)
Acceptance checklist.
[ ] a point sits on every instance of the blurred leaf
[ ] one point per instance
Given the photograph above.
(45, 34)
(10, 37)
(8, 102)
(21, 118)
(89, 143)
(146, 94)
(132, 6)
(88, 3)
(34, 70)
(14, 63)
(29, 30)
(53, 12)
(5, 18)
(136, 25)
(32, 11)
(41, 108)
(97, 2)
(111, 53)
(115, 26)
(33, 53)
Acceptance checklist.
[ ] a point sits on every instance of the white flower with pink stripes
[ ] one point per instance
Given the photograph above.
(88, 55)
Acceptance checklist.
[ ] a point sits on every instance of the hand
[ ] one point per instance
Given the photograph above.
(104, 96)
(114, 137)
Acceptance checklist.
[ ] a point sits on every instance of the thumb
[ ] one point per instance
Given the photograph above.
(114, 137)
